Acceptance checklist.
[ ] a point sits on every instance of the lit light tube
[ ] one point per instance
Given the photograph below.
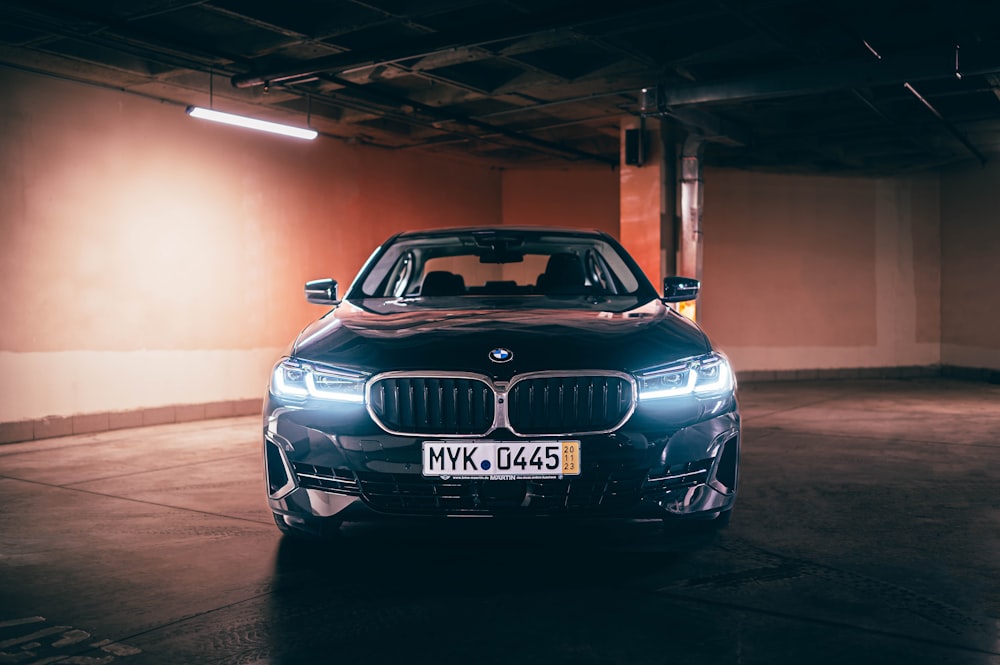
(251, 123)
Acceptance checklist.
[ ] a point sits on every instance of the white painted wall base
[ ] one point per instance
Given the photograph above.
(36, 385)
(757, 358)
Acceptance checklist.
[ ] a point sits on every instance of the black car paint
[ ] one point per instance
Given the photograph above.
(628, 334)
(355, 338)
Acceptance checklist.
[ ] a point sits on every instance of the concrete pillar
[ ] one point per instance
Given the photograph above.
(648, 194)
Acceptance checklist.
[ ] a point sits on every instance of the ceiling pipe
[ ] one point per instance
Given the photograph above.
(707, 125)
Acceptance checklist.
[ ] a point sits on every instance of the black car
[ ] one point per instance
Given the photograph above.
(500, 372)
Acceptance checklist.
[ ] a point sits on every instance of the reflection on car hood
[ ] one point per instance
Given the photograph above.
(427, 338)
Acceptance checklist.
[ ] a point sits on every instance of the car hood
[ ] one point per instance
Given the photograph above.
(361, 338)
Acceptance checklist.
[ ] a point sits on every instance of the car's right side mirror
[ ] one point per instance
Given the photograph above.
(322, 292)
(680, 289)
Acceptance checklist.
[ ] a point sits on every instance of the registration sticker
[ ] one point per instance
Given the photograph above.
(571, 458)
(501, 460)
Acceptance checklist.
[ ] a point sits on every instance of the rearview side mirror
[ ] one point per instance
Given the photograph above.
(680, 289)
(322, 291)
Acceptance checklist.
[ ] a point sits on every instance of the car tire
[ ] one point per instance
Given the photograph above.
(313, 529)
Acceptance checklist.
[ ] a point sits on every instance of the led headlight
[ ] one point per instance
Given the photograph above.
(705, 376)
(299, 380)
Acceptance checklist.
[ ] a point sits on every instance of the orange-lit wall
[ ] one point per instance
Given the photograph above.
(810, 272)
(582, 197)
(800, 272)
(970, 266)
(148, 259)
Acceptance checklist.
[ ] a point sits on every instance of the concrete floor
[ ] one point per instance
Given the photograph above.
(867, 530)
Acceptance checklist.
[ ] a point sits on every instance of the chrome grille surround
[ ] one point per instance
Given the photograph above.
(501, 392)
(339, 481)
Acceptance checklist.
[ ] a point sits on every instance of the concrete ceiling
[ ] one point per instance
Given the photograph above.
(869, 87)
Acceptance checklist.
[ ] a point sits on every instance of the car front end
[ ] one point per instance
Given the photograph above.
(478, 404)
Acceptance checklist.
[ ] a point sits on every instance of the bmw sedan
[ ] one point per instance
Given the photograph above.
(500, 372)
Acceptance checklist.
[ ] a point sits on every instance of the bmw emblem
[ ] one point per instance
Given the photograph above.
(501, 355)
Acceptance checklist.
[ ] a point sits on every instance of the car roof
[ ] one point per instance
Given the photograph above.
(561, 230)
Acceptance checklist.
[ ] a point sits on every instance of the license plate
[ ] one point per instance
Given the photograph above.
(501, 460)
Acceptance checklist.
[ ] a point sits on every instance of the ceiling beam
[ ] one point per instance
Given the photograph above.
(809, 55)
(952, 129)
(981, 59)
(426, 45)
(116, 37)
(994, 82)
(438, 117)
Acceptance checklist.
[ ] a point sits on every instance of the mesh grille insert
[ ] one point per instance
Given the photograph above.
(433, 405)
(411, 494)
(572, 404)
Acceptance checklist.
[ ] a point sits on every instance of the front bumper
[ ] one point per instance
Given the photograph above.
(314, 473)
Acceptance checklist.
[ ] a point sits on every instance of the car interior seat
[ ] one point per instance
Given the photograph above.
(564, 273)
(442, 283)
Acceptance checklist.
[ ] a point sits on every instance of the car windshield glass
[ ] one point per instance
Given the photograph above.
(495, 265)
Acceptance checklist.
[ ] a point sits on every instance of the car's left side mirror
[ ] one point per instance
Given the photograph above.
(322, 292)
(680, 289)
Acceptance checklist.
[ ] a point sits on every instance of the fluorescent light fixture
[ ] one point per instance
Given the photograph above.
(251, 123)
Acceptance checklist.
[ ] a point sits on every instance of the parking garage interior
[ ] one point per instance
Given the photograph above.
(842, 158)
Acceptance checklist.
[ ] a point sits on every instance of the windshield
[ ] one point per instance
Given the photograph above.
(500, 268)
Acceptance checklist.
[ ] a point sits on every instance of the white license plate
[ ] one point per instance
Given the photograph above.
(501, 460)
